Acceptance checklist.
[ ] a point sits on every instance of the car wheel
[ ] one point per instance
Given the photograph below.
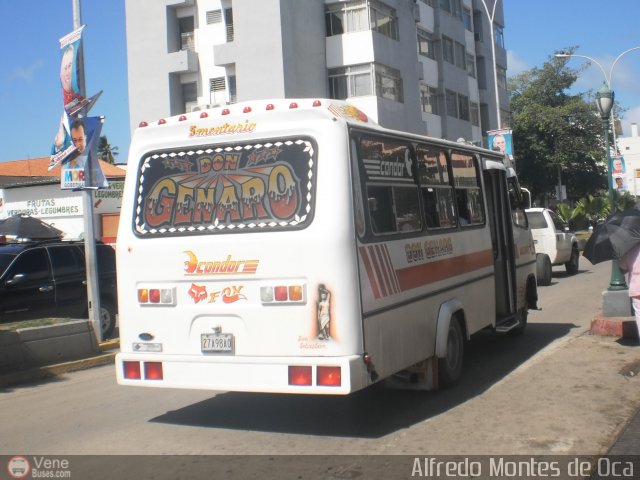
(450, 367)
(543, 269)
(107, 319)
(574, 261)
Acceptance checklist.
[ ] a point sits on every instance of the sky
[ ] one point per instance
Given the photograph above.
(30, 92)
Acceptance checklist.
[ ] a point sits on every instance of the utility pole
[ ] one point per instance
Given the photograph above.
(93, 294)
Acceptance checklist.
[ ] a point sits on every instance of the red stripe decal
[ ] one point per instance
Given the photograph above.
(368, 267)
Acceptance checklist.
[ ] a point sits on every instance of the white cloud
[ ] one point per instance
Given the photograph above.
(515, 64)
(28, 72)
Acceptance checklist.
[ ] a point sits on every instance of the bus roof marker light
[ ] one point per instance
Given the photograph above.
(182, 118)
(270, 106)
(293, 105)
(317, 103)
(143, 124)
(225, 111)
(246, 110)
(204, 115)
(162, 121)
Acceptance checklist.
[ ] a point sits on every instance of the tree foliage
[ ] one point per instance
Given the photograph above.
(106, 152)
(554, 131)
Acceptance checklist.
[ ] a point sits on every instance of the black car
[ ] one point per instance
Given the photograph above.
(48, 279)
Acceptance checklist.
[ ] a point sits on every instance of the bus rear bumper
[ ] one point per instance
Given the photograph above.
(310, 375)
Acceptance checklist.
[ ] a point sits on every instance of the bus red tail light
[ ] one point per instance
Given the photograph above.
(299, 375)
(153, 370)
(280, 294)
(132, 370)
(329, 376)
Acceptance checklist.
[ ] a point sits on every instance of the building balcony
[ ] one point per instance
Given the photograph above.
(183, 61)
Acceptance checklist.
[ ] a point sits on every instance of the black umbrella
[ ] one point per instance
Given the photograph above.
(614, 237)
(24, 226)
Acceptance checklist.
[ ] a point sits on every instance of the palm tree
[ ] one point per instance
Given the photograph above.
(106, 152)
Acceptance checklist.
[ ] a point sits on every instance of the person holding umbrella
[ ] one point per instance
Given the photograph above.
(630, 262)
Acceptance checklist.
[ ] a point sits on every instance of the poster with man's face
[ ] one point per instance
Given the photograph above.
(81, 169)
(500, 141)
(70, 45)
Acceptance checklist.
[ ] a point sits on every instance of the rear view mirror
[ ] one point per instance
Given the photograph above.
(17, 279)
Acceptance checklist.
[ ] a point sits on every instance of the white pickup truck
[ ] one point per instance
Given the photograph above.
(554, 243)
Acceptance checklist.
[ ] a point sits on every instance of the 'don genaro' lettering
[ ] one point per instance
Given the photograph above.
(227, 186)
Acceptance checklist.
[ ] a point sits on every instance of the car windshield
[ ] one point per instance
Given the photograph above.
(536, 220)
(5, 260)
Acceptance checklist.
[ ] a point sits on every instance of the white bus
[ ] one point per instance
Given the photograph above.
(298, 247)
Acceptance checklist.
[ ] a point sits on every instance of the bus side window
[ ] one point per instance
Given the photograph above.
(381, 209)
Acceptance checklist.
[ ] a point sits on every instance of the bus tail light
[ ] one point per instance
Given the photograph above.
(153, 370)
(156, 296)
(132, 370)
(291, 294)
(299, 375)
(329, 376)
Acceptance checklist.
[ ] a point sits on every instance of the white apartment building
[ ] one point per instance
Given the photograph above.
(422, 66)
(629, 148)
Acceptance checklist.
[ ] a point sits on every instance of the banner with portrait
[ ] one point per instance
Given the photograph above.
(501, 141)
(81, 168)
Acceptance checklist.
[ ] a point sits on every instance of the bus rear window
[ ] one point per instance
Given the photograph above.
(268, 185)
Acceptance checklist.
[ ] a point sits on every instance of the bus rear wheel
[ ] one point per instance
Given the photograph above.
(543, 269)
(450, 367)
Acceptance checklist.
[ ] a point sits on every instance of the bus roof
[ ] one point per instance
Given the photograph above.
(238, 118)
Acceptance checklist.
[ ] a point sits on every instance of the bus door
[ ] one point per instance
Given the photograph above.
(502, 239)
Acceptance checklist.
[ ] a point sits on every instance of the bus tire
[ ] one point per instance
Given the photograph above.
(543, 269)
(572, 265)
(450, 366)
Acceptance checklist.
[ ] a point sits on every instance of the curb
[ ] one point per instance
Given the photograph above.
(624, 327)
(108, 349)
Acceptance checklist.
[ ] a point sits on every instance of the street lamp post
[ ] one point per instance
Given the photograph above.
(615, 299)
(604, 101)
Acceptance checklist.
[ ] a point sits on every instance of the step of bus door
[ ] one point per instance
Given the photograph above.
(507, 324)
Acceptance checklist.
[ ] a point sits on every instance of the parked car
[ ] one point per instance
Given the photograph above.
(555, 244)
(48, 279)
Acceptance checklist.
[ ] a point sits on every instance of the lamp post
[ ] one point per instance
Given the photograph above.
(615, 299)
(604, 101)
(491, 17)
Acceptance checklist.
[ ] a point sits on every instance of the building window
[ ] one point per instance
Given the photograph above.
(217, 91)
(360, 15)
(452, 103)
(463, 107)
(498, 33)
(233, 95)
(186, 26)
(429, 99)
(357, 81)
(467, 19)
(502, 77)
(214, 16)
(447, 49)
(471, 65)
(425, 44)
(460, 55)
(189, 96)
(217, 84)
(454, 7)
(474, 111)
(228, 21)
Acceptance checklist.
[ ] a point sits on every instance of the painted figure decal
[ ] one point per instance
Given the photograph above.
(226, 187)
(324, 313)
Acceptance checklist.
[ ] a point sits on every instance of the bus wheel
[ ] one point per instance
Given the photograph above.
(543, 269)
(450, 367)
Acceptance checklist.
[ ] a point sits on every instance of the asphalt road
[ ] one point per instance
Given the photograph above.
(555, 390)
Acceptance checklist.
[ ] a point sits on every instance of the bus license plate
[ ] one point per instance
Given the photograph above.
(216, 342)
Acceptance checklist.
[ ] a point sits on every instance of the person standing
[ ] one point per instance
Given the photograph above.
(630, 262)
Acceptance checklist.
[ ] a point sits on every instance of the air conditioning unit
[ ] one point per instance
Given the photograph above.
(196, 108)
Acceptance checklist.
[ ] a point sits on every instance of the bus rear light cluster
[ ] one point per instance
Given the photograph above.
(156, 296)
(282, 294)
(325, 376)
(133, 370)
